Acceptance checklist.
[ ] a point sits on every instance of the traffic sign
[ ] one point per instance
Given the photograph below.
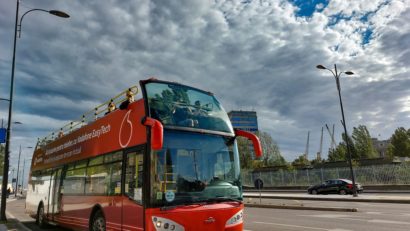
(2, 135)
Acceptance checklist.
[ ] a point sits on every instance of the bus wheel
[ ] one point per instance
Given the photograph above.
(40, 216)
(98, 222)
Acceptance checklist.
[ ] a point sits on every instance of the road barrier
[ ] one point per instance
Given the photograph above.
(389, 174)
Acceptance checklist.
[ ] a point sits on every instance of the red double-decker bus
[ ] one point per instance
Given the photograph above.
(166, 161)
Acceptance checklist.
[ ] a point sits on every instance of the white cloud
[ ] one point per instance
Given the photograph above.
(258, 55)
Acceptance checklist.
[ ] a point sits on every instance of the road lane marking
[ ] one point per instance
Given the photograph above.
(10, 215)
(334, 216)
(375, 213)
(368, 220)
(389, 222)
(294, 226)
(385, 213)
(340, 230)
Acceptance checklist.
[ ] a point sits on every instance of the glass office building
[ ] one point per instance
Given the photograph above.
(244, 120)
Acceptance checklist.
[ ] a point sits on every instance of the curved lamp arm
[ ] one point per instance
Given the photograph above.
(53, 12)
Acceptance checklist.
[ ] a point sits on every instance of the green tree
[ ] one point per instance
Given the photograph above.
(400, 143)
(245, 153)
(271, 153)
(340, 153)
(363, 143)
(301, 161)
(389, 152)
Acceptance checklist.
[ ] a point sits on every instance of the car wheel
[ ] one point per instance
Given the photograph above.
(314, 192)
(342, 192)
(98, 222)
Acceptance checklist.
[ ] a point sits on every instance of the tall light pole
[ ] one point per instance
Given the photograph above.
(17, 178)
(349, 153)
(22, 177)
(17, 28)
(18, 169)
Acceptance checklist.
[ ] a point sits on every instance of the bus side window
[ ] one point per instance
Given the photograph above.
(133, 177)
(34, 180)
(115, 178)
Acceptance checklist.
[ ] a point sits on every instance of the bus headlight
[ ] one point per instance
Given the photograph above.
(235, 219)
(163, 224)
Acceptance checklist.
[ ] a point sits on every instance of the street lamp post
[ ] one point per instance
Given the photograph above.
(22, 177)
(18, 169)
(349, 153)
(17, 27)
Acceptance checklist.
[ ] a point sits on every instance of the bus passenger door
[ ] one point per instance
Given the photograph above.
(55, 195)
(133, 211)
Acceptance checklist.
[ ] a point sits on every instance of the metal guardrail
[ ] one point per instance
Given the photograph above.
(86, 118)
(389, 174)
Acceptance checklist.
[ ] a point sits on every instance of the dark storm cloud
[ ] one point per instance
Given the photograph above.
(259, 55)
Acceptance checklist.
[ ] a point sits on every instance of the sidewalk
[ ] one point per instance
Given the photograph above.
(13, 223)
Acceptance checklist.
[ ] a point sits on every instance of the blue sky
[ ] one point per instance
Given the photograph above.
(258, 55)
(307, 8)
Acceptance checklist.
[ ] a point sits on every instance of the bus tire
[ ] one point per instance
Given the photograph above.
(40, 219)
(98, 221)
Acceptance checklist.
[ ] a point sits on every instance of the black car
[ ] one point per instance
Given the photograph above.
(340, 186)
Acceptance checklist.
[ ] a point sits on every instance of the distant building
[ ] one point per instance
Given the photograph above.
(380, 146)
(244, 120)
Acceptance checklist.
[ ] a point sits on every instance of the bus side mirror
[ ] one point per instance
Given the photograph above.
(255, 141)
(157, 132)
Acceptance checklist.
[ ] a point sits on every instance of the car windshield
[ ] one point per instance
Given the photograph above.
(185, 107)
(195, 168)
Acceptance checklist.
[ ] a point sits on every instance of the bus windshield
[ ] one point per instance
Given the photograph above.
(195, 168)
(176, 105)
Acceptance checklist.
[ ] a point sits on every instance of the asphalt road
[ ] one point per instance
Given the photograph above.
(370, 216)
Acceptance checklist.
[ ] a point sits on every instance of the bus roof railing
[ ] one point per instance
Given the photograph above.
(86, 118)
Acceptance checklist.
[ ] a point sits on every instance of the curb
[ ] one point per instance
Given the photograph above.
(17, 222)
(394, 201)
(334, 209)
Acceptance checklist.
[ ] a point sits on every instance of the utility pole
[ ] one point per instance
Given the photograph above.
(22, 177)
(319, 154)
(18, 169)
(307, 147)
